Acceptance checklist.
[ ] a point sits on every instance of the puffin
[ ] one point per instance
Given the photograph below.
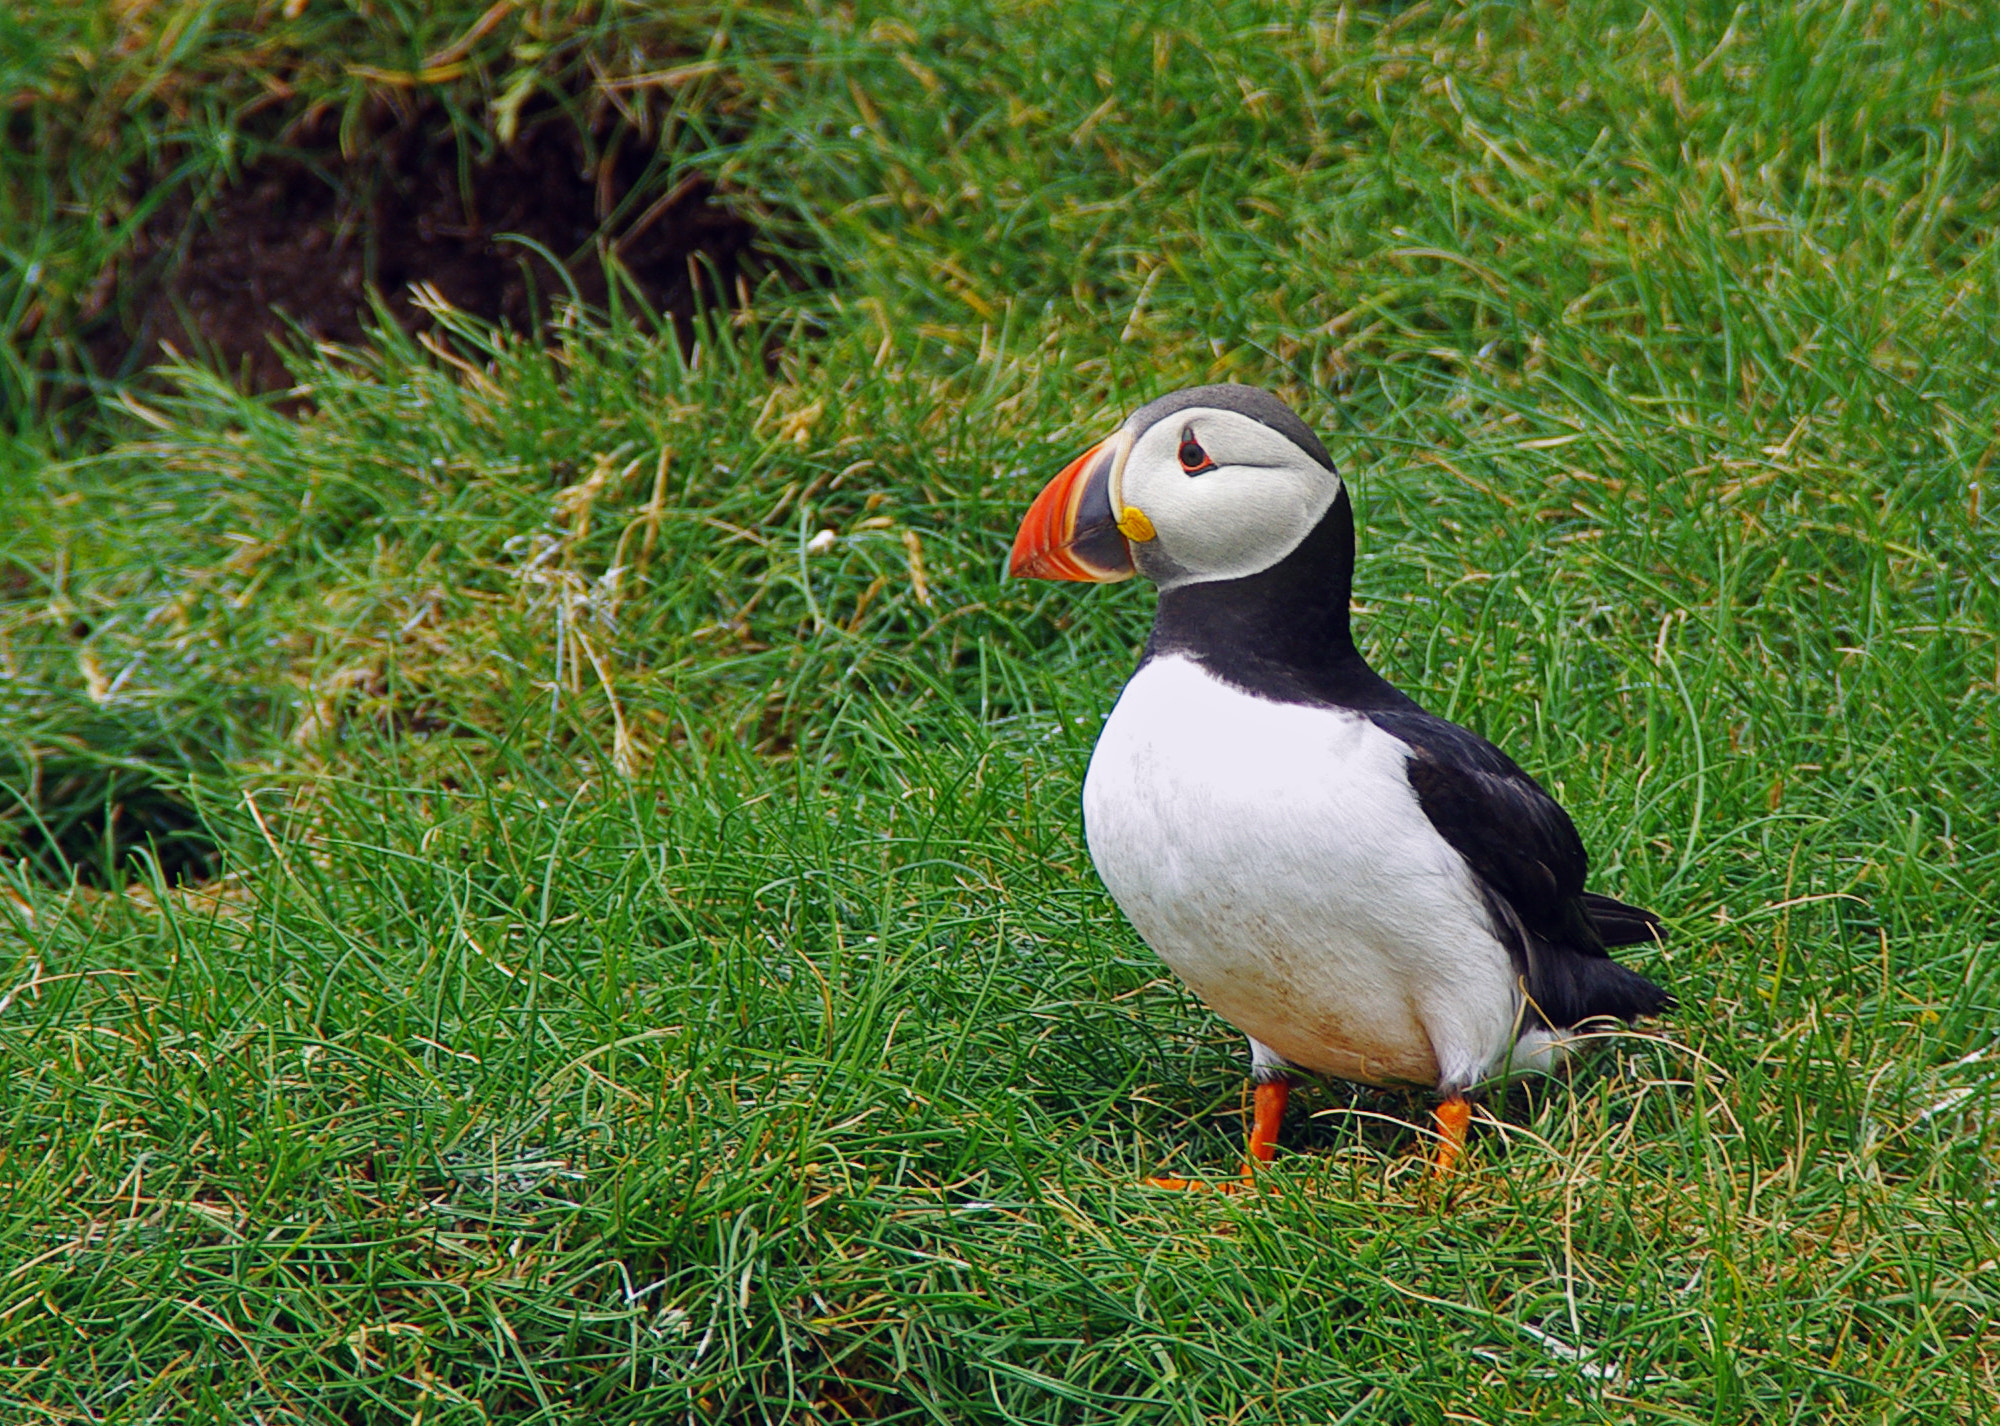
(1366, 891)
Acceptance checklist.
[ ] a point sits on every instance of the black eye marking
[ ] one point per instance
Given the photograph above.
(1194, 460)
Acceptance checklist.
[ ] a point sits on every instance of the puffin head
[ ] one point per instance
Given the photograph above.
(1209, 483)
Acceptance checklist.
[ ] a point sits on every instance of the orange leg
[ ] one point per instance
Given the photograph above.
(1453, 1116)
(1268, 1112)
(1269, 1101)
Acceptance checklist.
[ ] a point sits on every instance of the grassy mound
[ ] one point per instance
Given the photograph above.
(641, 961)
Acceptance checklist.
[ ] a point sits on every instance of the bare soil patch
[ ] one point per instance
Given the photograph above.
(303, 234)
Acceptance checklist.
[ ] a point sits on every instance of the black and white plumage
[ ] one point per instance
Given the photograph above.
(1364, 889)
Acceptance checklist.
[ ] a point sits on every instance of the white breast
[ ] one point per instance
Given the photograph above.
(1276, 857)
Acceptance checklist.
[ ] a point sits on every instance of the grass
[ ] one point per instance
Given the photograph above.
(653, 970)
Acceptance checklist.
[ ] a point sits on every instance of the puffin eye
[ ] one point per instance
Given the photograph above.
(1194, 460)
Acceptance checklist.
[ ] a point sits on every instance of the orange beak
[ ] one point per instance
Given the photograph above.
(1071, 531)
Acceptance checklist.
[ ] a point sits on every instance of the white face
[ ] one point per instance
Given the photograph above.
(1258, 497)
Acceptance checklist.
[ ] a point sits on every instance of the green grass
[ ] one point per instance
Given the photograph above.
(656, 973)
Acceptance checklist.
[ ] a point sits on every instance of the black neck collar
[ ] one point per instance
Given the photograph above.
(1283, 632)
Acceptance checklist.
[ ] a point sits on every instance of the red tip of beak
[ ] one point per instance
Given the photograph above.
(1068, 533)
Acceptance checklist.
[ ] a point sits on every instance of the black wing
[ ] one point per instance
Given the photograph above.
(1530, 863)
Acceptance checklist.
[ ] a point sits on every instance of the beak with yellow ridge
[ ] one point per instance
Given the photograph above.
(1078, 528)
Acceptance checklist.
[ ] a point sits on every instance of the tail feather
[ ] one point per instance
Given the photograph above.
(1568, 973)
(1620, 924)
(1568, 988)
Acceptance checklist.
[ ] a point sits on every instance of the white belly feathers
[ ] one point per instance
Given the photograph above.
(1275, 856)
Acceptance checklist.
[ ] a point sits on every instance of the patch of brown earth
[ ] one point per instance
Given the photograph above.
(299, 239)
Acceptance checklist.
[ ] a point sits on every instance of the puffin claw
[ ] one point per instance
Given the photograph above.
(1245, 1184)
(1191, 1185)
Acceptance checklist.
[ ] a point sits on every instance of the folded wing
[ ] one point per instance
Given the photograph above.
(1530, 865)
